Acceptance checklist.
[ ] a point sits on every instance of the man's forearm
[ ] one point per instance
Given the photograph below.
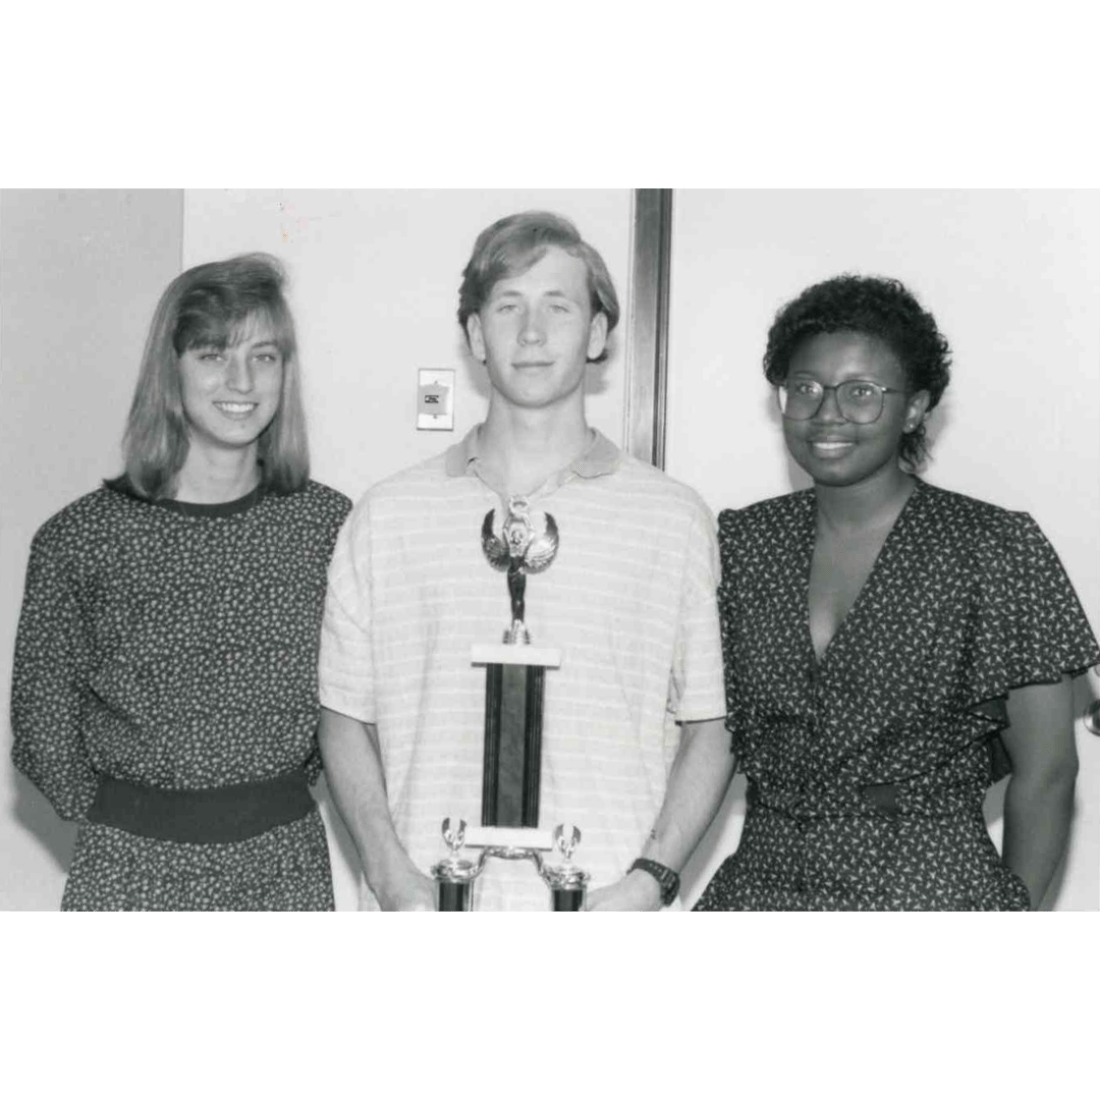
(696, 786)
(353, 770)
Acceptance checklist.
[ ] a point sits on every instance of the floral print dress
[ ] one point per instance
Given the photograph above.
(174, 646)
(867, 769)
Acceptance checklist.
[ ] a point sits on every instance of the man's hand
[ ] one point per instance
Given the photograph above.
(353, 767)
(411, 891)
(639, 891)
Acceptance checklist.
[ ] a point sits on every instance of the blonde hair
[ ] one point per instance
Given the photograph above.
(211, 306)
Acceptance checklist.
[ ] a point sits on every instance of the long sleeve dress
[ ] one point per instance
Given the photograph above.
(174, 646)
(867, 769)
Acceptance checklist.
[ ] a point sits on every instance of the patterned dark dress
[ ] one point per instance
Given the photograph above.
(175, 646)
(867, 769)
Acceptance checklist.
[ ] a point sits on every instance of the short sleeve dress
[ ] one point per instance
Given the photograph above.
(867, 769)
(175, 646)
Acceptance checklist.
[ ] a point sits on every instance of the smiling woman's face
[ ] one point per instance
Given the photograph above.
(231, 394)
(832, 450)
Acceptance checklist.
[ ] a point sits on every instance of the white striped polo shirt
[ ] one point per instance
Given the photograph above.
(629, 600)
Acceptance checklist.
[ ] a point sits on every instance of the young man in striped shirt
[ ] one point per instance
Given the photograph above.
(634, 749)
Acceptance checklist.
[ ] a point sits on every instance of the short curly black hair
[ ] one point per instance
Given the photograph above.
(874, 306)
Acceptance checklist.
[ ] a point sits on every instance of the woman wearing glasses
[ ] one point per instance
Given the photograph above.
(887, 641)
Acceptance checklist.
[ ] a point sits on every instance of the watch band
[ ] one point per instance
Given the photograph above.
(666, 877)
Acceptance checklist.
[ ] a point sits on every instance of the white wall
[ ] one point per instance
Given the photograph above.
(80, 273)
(1013, 279)
(375, 289)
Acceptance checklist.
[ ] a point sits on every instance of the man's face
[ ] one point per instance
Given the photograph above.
(536, 332)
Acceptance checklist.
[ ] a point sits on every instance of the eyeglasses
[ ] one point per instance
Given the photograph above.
(858, 401)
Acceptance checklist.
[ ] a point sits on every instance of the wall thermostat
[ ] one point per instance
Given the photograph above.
(435, 411)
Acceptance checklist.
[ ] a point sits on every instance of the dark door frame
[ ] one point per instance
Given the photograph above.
(647, 335)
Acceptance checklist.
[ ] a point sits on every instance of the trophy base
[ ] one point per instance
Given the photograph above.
(568, 901)
(453, 897)
(454, 881)
(568, 888)
(494, 836)
(454, 877)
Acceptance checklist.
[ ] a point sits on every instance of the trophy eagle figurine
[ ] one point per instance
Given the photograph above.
(520, 550)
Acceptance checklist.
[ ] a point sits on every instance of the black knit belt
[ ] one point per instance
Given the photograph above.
(211, 815)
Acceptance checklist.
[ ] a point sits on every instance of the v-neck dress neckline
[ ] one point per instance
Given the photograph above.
(881, 563)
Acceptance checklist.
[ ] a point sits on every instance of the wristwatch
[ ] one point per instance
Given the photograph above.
(666, 877)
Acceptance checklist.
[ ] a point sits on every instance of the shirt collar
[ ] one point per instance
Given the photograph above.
(601, 456)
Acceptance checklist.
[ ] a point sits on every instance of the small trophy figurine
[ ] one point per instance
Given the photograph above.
(568, 883)
(453, 876)
(520, 551)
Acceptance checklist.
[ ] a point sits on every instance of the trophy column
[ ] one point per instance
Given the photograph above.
(511, 766)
